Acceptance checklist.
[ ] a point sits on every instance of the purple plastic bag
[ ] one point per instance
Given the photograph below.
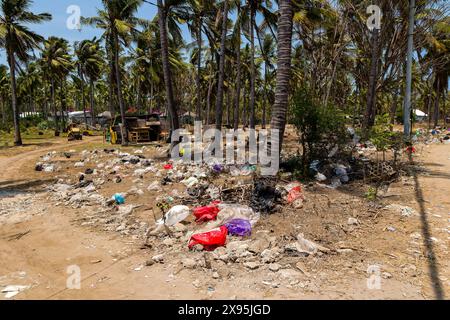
(239, 227)
(217, 168)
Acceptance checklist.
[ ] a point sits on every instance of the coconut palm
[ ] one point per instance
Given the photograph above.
(18, 41)
(118, 21)
(90, 64)
(219, 98)
(164, 8)
(280, 106)
(4, 86)
(56, 61)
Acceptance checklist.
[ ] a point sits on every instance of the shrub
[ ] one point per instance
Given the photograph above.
(319, 127)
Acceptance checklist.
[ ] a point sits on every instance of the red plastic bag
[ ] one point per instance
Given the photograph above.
(206, 213)
(168, 166)
(294, 194)
(210, 240)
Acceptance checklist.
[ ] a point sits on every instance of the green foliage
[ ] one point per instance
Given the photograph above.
(382, 135)
(319, 126)
(371, 194)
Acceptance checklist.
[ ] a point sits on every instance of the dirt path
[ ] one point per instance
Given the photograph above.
(36, 250)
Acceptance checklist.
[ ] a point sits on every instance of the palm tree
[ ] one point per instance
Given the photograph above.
(198, 11)
(4, 86)
(280, 106)
(90, 63)
(171, 106)
(118, 21)
(219, 98)
(237, 40)
(56, 61)
(18, 41)
(254, 7)
(268, 56)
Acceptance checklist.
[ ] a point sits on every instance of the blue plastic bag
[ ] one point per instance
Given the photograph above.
(120, 199)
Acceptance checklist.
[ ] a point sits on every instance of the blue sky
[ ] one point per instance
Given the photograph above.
(58, 10)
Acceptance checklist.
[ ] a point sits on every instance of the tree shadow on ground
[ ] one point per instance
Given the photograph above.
(15, 187)
(36, 144)
(428, 242)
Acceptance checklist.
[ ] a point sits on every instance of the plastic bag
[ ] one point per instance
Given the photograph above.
(294, 194)
(119, 198)
(210, 240)
(174, 215)
(206, 213)
(168, 166)
(239, 227)
(229, 212)
(190, 182)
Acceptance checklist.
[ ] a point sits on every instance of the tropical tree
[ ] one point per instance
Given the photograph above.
(163, 10)
(90, 64)
(18, 41)
(118, 21)
(56, 61)
(219, 98)
(4, 91)
(280, 106)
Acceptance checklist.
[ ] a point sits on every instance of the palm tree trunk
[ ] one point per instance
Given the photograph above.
(166, 67)
(15, 107)
(371, 93)
(409, 62)
(252, 66)
(237, 97)
(280, 106)
(55, 112)
(208, 101)
(219, 98)
(198, 112)
(2, 104)
(92, 103)
(83, 100)
(436, 102)
(228, 106)
(111, 77)
(244, 107)
(119, 90)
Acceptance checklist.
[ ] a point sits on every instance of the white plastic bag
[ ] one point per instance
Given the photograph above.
(174, 215)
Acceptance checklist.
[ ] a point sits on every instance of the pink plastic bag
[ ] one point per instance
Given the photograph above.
(210, 240)
(207, 213)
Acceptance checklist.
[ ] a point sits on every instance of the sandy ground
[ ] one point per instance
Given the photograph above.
(37, 245)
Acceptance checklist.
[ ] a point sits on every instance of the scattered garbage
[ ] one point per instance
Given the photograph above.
(168, 166)
(174, 215)
(190, 182)
(239, 227)
(210, 240)
(294, 194)
(265, 196)
(79, 164)
(12, 290)
(320, 177)
(119, 198)
(206, 213)
(403, 210)
(217, 168)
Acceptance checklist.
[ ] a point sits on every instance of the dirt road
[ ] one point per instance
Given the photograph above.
(40, 245)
